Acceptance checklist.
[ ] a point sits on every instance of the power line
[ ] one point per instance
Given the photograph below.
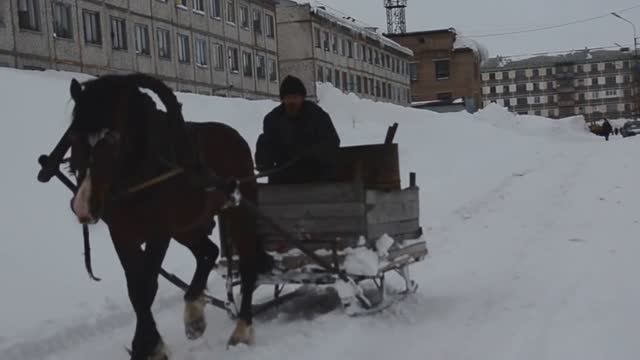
(543, 28)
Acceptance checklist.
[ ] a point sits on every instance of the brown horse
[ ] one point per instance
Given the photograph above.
(112, 151)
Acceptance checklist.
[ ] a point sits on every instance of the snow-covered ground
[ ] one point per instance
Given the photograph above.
(531, 224)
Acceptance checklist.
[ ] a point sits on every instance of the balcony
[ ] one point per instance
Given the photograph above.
(565, 89)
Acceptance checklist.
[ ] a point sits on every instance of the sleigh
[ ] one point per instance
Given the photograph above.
(348, 235)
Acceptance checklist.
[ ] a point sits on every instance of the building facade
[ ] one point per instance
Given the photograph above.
(444, 68)
(221, 47)
(319, 46)
(595, 84)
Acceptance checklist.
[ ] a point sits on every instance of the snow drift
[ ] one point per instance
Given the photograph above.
(533, 249)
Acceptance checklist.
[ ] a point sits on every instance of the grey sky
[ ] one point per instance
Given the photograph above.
(474, 17)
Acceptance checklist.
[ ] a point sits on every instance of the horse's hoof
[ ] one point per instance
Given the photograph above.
(161, 352)
(243, 334)
(195, 323)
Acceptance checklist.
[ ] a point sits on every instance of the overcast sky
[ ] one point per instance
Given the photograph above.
(477, 17)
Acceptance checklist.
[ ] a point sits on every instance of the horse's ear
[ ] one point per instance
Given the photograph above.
(75, 90)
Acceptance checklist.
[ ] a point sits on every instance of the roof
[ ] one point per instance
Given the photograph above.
(333, 15)
(425, 32)
(575, 57)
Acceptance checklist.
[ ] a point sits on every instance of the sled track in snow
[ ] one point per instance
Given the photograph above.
(43, 348)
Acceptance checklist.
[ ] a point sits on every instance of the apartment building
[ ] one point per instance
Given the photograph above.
(221, 47)
(319, 45)
(595, 84)
(445, 68)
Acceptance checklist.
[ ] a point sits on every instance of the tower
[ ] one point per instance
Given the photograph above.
(396, 16)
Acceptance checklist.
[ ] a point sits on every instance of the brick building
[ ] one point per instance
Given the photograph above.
(318, 45)
(222, 47)
(595, 84)
(445, 67)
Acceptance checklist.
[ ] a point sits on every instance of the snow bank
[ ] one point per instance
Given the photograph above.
(512, 207)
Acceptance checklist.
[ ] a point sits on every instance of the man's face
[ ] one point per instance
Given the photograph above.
(293, 104)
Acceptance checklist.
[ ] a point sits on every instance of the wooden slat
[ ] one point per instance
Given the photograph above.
(317, 225)
(391, 229)
(310, 211)
(310, 194)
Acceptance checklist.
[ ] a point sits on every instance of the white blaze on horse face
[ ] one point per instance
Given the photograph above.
(82, 200)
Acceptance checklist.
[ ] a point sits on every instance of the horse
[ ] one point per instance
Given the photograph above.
(110, 141)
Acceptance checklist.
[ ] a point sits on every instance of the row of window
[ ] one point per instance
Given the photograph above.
(535, 100)
(550, 85)
(234, 14)
(363, 85)
(29, 17)
(350, 49)
(535, 73)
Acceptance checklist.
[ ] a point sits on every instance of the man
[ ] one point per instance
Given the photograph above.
(607, 129)
(300, 134)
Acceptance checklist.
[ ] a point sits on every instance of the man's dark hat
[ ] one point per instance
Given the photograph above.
(291, 85)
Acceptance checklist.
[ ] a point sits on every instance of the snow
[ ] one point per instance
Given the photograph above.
(532, 227)
(463, 42)
(361, 261)
(337, 17)
(383, 244)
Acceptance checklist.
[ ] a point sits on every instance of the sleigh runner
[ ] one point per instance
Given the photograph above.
(353, 232)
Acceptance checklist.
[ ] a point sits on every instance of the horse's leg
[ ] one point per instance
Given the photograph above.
(242, 230)
(206, 254)
(141, 271)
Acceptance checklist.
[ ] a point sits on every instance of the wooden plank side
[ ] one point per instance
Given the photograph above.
(313, 210)
(316, 225)
(310, 194)
(393, 206)
(391, 229)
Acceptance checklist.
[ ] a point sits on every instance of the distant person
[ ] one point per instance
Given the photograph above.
(616, 131)
(299, 131)
(607, 129)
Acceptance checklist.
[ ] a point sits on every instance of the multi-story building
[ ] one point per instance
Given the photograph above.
(222, 47)
(595, 84)
(317, 45)
(445, 67)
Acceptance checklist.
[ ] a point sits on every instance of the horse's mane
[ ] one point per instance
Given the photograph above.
(102, 97)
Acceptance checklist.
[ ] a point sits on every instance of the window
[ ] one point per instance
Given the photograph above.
(492, 76)
(337, 73)
(318, 38)
(522, 101)
(366, 86)
(370, 56)
(352, 83)
(216, 9)
(183, 4)
(550, 85)
(521, 88)
(505, 75)
(350, 49)
(28, 16)
(201, 53)
(442, 69)
(371, 88)
(359, 84)
(345, 84)
(247, 64)
(536, 73)
(344, 47)
(261, 67)
(549, 72)
(198, 5)
(234, 60)
(244, 16)
(329, 78)
(413, 70)
(378, 88)
(377, 57)
(118, 34)
(358, 51)
(62, 20)
(364, 53)
(92, 30)
(610, 80)
(231, 11)
(492, 90)
(271, 25)
(384, 90)
(273, 71)
(164, 43)
(388, 61)
(612, 93)
(142, 39)
(326, 41)
(184, 52)
(550, 99)
(536, 100)
(257, 21)
(219, 56)
(320, 74)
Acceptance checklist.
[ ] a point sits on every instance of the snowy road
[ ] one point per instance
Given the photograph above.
(533, 255)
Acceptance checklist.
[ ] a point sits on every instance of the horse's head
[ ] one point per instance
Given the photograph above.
(104, 134)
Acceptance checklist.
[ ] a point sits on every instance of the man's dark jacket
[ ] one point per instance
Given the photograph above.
(310, 136)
